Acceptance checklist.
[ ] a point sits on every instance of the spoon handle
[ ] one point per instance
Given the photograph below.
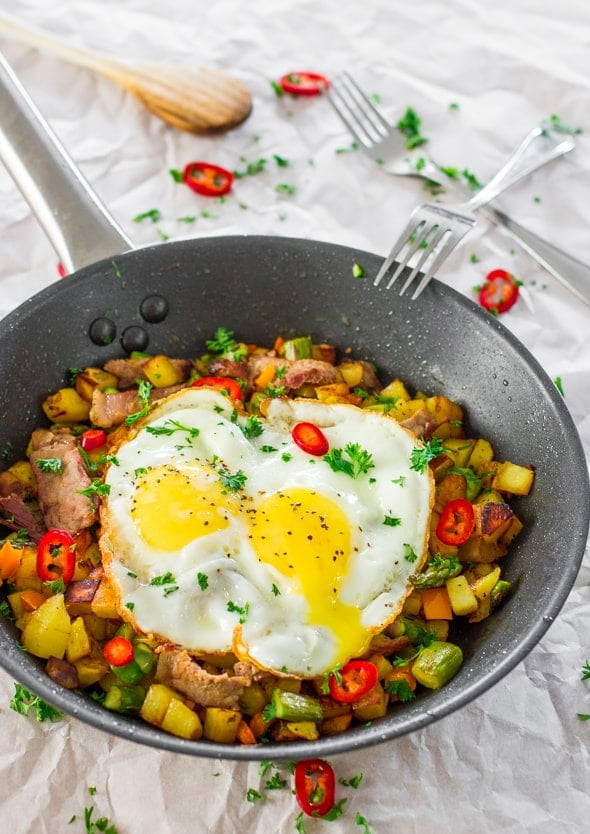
(42, 40)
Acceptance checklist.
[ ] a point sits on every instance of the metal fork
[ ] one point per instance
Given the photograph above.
(380, 138)
(434, 229)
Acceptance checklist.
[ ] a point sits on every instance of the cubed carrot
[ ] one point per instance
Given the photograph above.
(436, 604)
(31, 599)
(265, 377)
(10, 558)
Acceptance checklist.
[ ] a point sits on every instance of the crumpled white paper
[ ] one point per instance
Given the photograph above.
(516, 760)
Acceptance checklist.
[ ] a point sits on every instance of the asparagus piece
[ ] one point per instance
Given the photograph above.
(291, 706)
(437, 664)
(436, 572)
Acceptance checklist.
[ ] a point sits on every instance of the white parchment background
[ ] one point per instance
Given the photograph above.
(517, 759)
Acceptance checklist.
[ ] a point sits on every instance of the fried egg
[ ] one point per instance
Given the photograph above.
(221, 534)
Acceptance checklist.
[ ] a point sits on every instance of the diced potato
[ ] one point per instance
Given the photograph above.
(157, 701)
(512, 478)
(483, 587)
(448, 413)
(293, 730)
(66, 406)
(221, 725)
(352, 373)
(62, 672)
(26, 576)
(404, 409)
(91, 669)
(481, 454)
(449, 487)
(372, 705)
(382, 663)
(492, 520)
(79, 641)
(182, 721)
(477, 550)
(324, 352)
(440, 628)
(396, 390)
(104, 602)
(23, 472)
(515, 528)
(463, 600)
(92, 379)
(161, 372)
(79, 596)
(31, 599)
(336, 724)
(337, 392)
(460, 448)
(48, 628)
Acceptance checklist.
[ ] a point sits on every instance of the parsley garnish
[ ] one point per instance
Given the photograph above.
(275, 590)
(353, 782)
(559, 385)
(167, 580)
(401, 688)
(153, 214)
(352, 460)
(233, 482)
(50, 464)
(410, 554)
(409, 126)
(358, 271)
(100, 825)
(421, 456)
(252, 427)
(391, 521)
(203, 581)
(24, 700)
(253, 796)
(6, 610)
(143, 392)
(224, 344)
(586, 671)
(97, 487)
(275, 782)
(171, 426)
(56, 586)
(360, 820)
(241, 610)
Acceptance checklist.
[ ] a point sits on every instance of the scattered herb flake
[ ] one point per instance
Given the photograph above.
(24, 700)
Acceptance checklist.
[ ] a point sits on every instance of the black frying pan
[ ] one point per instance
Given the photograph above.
(259, 287)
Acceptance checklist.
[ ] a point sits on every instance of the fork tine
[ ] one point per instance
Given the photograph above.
(410, 228)
(434, 237)
(362, 117)
(450, 243)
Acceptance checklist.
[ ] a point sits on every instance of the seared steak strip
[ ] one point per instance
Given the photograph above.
(58, 492)
(177, 669)
(110, 410)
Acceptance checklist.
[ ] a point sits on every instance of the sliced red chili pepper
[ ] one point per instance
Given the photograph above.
(61, 270)
(207, 179)
(499, 292)
(310, 438)
(56, 556)
(315, 787)
(456, 522)
(303, 83)
(118, 651)
(93, 439)
(355, 679)
(224, 384)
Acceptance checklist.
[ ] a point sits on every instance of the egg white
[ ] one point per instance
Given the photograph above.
(298, 608)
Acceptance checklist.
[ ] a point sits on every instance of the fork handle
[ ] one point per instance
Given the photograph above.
(512, 171)
(572, 273)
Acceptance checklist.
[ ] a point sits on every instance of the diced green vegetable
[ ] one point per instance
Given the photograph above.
(291, 706)
(437, 664)
(298, 348)
(124, 698)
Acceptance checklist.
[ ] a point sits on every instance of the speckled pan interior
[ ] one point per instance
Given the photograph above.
(441, 343)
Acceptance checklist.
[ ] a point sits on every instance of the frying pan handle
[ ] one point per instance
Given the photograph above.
(74, 219)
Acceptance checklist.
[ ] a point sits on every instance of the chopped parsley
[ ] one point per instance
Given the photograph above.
(410, 554)
(360, 820)
(97, 487)
(352, 460)
(276, 591)
(421, 456)
(24, 700)
(171, 426)
(400, 688)
(101, 825)
(409, 126)
(241, 610)
(353, 782)
(559, 385)
(358, 271)
(167, 581)
(143, 392)
(153, 214)
(391, 521)
(252, 427)
(232, 481)
(56, 586)
(203, 581)
(224, 344)
(50, 464)
(586, 671)
(253, 796)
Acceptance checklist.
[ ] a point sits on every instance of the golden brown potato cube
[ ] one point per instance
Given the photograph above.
(448, 413)
(104, 601)
(324, 352)
(492, 519)
(460, 448)
(47, 630)
(372, 705)
(162, 373)
(91, 669)
(23, 472)
(62, 672)
(512, 532)
(79, 641)
(481, 454)
(157, 701)
(440, 466)
(182, 721)
(512, 478)
(477, 550)
(79, 596)
(337, 392)
(448, 488)
(94, 378)
(26, 575)
(482, 587)
(463, 600)
(332, 708)
(293, 730)
(396, 390)
(336, 724)
(66, 406)
(352, 373)
(221, 725)
(404, 409)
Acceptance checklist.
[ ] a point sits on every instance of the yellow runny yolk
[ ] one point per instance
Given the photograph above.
(171, 507)
(307, 538)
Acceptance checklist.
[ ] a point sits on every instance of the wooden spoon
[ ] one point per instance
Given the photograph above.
(199, 100)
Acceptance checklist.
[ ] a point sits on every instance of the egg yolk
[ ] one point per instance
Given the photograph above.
(171, 507)
(307, 537)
